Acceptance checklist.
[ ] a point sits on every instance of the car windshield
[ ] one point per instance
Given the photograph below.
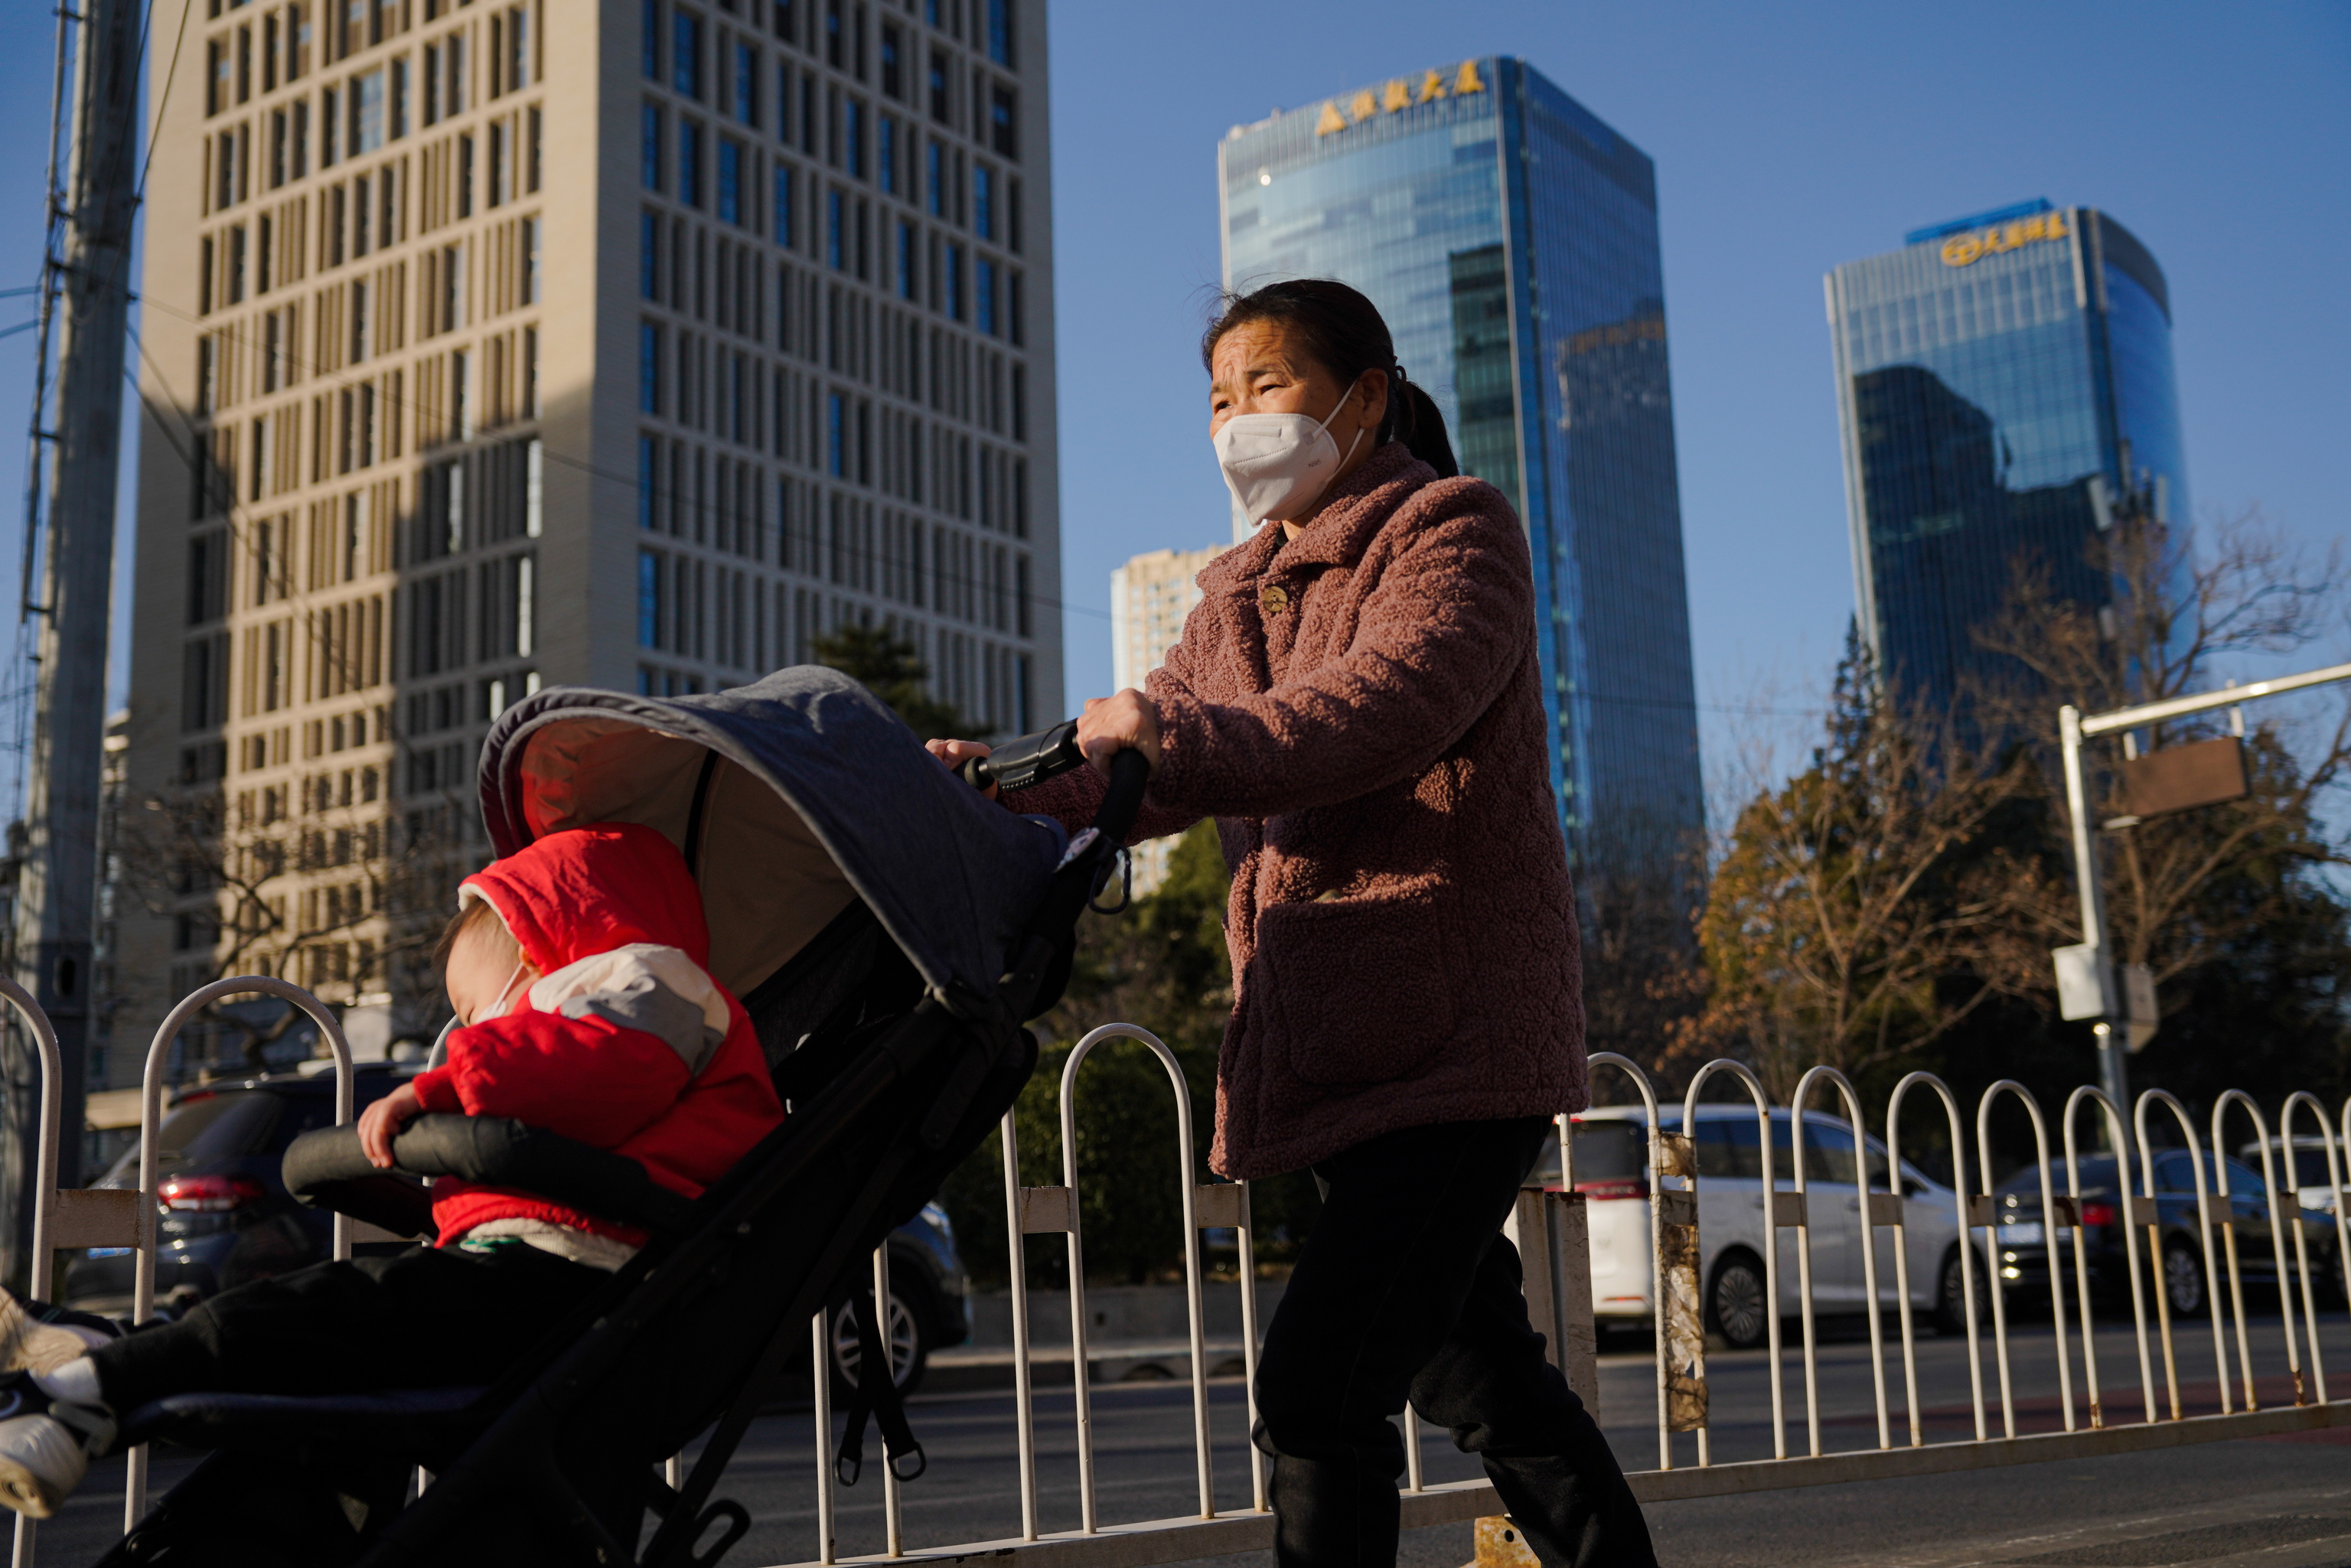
(2310, 1170)
(209, 1127)
(1728, 1146)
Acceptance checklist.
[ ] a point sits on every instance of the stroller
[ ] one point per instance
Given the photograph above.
(889, 931)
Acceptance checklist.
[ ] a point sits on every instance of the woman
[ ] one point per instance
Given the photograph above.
(1356, 700)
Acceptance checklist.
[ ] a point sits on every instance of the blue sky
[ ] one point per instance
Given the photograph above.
(1787, 139)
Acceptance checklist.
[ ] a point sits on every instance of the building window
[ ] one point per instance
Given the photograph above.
(649, 255)
(747, 83)
(730, 182)
(689, 162)
(648, 465)
(940, 86)
(892, 81)
(983, 295)
(783, 206)
(999, 32)
(1001, 117)
(650, 134)
(653, 40)
(367, 114)
(832, 34)
(935, 179)
(852, 138)
(886, 154)
(649, 365)
(955, 282)
(832, 226)
(649, 599)
(686, 52)
(982, 202)
(905, 261)
(836, 437)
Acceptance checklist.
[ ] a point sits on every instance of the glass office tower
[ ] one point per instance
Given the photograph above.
(1511, 240)
(2004, 385)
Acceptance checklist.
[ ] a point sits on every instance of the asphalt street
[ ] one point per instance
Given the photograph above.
(2285, 1502)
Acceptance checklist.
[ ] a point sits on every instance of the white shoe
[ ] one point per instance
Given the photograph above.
(29, 1344)
(46, 1445)
(41, 1461)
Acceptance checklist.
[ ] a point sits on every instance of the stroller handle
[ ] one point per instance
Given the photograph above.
(1028, 761)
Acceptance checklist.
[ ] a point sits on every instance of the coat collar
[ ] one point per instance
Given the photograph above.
(1359, 507)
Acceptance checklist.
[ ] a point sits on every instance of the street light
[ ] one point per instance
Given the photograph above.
(2088, 985)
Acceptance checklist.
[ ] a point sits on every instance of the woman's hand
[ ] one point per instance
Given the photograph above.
(1115, 723)
(382, 1120)
(954, 754)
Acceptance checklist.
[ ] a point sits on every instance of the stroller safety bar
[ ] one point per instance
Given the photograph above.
(326, 1168)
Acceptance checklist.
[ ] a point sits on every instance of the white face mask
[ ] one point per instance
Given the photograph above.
(1277, 465)
(498, 1007)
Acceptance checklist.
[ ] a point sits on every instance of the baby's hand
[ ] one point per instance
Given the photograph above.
(382, 1121)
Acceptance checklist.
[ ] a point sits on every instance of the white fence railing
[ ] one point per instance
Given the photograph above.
(1551, 1232)
(1550, 1226)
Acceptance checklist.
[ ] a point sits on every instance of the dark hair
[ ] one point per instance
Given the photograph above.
(1344, 333)
(475, 913)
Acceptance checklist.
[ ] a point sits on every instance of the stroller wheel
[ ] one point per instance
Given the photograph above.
(909, 1340)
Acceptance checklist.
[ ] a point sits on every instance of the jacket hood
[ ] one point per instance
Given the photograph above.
(572, 894)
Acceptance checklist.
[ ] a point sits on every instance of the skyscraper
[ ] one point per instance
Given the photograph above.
(632, 344)
(2003, 383)
(1511, 240)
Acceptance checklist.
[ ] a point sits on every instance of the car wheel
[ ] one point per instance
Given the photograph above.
(910, 1346)
(1736, 1305)
(2183, 1280)
(1950, 1312)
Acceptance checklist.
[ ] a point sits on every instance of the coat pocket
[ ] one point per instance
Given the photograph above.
(1360, 988)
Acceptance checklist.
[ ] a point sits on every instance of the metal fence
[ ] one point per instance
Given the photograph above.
(1550, 1229)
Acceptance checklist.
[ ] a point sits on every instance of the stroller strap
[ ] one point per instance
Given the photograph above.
(878, 1399)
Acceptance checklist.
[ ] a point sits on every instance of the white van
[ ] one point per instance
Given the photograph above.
(1611, 1172)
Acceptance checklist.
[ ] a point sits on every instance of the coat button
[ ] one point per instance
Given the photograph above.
(1275, 599)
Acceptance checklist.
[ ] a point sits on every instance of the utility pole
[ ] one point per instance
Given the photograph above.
(2089, 985)
(58, 892)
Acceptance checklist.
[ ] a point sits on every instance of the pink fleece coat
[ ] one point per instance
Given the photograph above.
(1359, 709)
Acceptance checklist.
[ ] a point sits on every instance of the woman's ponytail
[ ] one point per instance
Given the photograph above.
(1419, 425)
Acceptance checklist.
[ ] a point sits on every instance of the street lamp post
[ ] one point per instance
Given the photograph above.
(2088, 984)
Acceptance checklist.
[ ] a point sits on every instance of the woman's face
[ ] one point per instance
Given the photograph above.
(1264, 367)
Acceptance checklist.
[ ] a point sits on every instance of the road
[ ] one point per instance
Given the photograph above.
(2289, 1500)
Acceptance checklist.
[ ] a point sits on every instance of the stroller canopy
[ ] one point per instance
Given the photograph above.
(790, 796)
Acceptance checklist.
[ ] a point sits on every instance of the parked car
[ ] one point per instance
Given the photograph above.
(1611, 1172)
(224, 1215)
(225, 1218)
(2311, 1181)
(2024, 1251)
(930, 1303)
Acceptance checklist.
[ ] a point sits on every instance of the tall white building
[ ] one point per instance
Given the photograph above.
(634, 343)
(1149, 597)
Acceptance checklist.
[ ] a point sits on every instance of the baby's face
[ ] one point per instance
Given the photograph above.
(481, 973)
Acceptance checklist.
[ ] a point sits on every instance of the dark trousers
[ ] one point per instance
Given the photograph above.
(1406, 1289)
(425, 1318)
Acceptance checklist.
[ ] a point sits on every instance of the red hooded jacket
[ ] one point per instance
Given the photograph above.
(580, 1072)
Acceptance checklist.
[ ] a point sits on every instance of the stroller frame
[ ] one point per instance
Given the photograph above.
(905, 1098)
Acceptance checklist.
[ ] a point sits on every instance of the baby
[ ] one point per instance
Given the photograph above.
(575, 968)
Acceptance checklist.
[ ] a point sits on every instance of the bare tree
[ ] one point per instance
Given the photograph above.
(1840, 918)
(341, 896)
(2181, 890)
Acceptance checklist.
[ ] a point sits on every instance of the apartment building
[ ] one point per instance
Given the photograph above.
(634, 344)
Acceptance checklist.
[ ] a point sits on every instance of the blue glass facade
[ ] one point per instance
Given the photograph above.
(1511, 240)
(2004, 383)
